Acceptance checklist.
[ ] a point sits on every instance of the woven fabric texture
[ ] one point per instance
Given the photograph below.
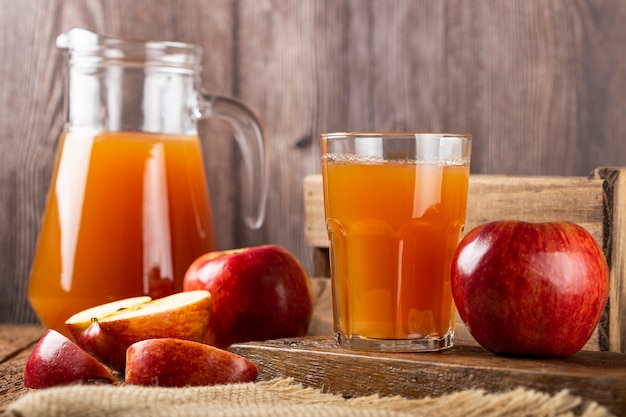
(283, 397)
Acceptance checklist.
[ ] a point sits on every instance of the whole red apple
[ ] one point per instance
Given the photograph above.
(56, 360)
(172, 362)
(530, 289)
(258, 293)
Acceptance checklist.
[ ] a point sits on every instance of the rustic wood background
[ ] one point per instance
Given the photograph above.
(540, 85)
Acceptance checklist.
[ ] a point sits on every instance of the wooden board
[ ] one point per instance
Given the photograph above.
(614, 246)
(319, 362)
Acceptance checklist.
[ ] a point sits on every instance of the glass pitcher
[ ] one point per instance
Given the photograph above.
(128, 208)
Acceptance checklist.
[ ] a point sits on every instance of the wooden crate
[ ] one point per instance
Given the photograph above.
(598, 203)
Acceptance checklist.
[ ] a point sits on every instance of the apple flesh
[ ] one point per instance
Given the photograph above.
(56, 360)
(258, 293)
(530, 289)
(177, 363)
(106, 331)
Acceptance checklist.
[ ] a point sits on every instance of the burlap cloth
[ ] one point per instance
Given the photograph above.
(283, 397)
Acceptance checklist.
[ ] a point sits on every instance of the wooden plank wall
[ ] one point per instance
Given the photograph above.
(539, 83)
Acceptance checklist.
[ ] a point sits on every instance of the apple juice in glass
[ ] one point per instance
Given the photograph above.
(128, 208)
(395, 210)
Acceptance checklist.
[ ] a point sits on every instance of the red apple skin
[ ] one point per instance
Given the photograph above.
(259, 293)
(177, 363)
(107, 341)
(530, 289)
(56, 360)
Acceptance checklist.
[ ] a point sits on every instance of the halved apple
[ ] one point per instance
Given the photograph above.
(178, 363)
(106, 331)
(56, 360)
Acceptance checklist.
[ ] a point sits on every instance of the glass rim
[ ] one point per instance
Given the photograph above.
(445, 147)
(413, 135)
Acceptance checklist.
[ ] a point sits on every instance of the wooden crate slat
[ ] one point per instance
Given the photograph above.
(614, 246)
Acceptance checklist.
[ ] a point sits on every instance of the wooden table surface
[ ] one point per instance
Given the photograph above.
(16, 343)
(319, 362)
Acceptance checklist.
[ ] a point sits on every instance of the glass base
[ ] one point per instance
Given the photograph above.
(429, 344)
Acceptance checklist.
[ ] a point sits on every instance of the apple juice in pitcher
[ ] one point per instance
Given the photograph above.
(128, 212)
(128, 208)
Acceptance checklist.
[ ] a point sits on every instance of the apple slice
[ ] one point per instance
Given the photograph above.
(177, 363)
(56, 360)
(106, 331)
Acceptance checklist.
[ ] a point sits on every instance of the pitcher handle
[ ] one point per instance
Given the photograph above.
(250, 137)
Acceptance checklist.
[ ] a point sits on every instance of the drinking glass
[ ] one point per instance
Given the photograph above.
(395, 208)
